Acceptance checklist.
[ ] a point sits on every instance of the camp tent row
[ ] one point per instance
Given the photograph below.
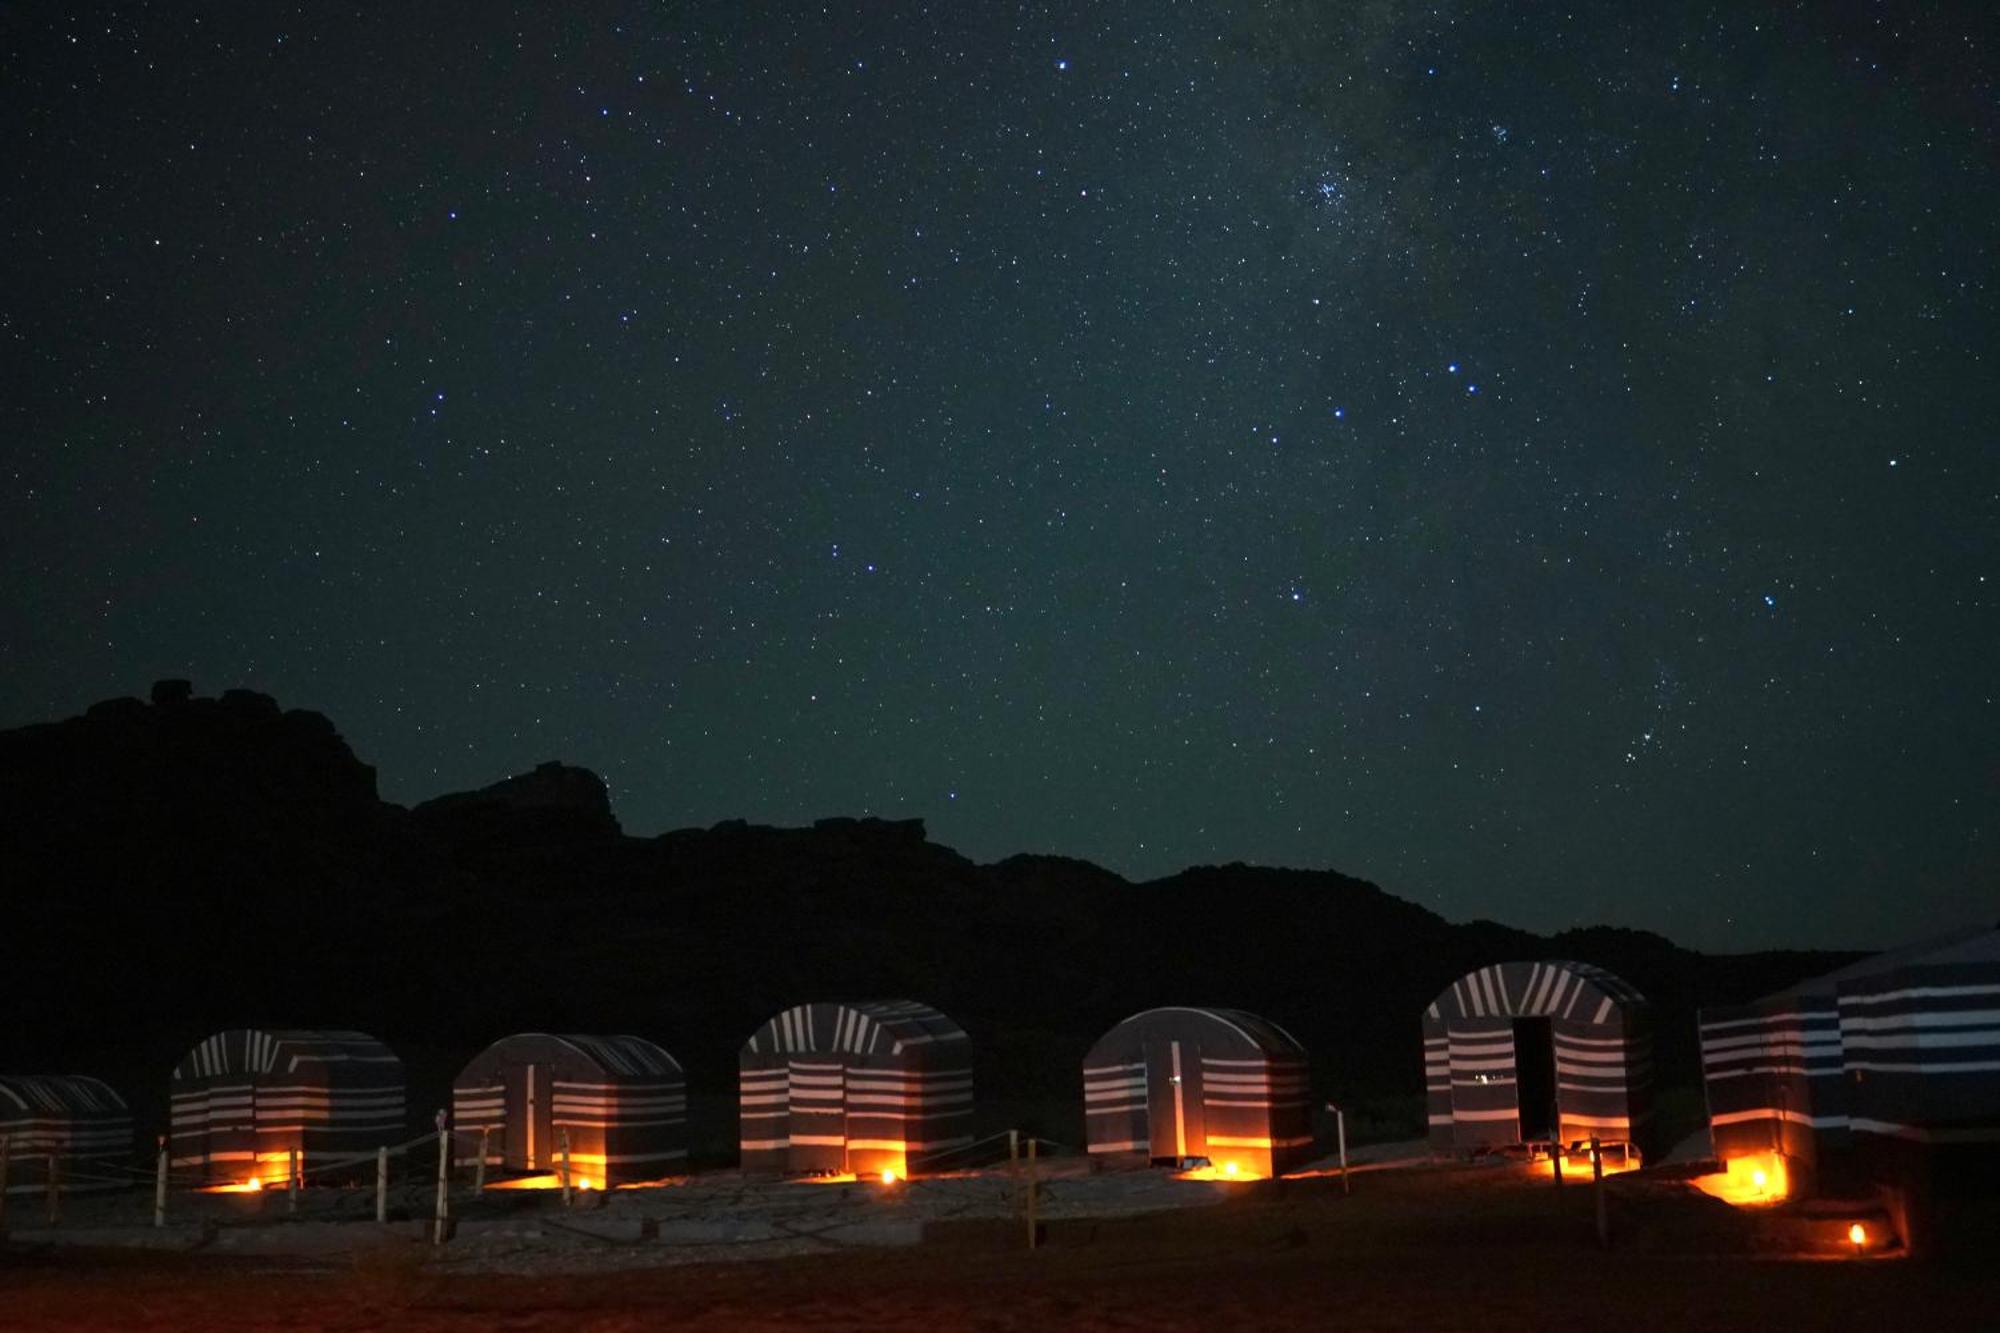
(1901, 1051)
(861, 1087)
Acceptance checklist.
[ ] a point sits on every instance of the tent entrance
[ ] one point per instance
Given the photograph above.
(1173, 1102)
(530, 1130)
(1535, 1078)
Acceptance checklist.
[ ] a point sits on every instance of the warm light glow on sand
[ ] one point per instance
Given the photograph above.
(838, 1178)
(1227, 1170)
(889, 1177)
(1857, 1235)
(551, 1181)
(1577, 1166)
(1749, 1181)
(270, 1171)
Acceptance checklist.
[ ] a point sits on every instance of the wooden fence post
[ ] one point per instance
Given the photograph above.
(1557, 1147)
(442, 1218)
(479, 1171)
(160, 1185)
(291, 1180)
(381, 1184)
(55, 1190)
(1340, 1128)
(563, 1141)
(1034, 1189)
(1597, 1188)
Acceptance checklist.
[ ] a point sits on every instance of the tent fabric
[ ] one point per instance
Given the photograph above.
(77, 1119)
(619, 1102)
(1180, 1082)
(1601, 1030)
(864, 1087)
(244, 1100)
(1903, 1046)
(1921, 1048)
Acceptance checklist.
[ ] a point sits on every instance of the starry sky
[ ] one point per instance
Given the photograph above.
(1544, 463)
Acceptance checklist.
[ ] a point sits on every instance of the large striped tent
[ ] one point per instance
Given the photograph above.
(246, 1099)
(1902, 1045)
(1536, 1053)
(619, 1102)
(1920, 1044)
(870, 1087)
(76, 1119)
(1181, 1083)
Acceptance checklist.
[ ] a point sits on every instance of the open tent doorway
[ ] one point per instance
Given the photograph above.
(1491, 1083)
(1535, 1076)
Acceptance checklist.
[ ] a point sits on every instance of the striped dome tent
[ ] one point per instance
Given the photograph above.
(619, 1101)
(869, 1087)
(246, 1099)
(1901, 1047)
(76, 1119)
(1537, 1052)
(1180, 1083)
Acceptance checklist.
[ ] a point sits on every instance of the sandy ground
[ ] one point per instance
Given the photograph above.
(1457, 1248)
(721, 1216)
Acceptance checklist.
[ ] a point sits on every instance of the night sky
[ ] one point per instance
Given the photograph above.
(1542, 463)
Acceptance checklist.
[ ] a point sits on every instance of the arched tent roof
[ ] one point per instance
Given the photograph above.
(878, 1085)
(617, 1103)
(331, 1056)
(619, 1056)
(73, 1116)
(1246, 1031)
(867, 1028)
(1554, 989)
(1492, 1080)
(57, 1095)
(1184, 1081)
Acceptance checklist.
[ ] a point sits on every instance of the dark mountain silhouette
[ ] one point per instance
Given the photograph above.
(188, 864)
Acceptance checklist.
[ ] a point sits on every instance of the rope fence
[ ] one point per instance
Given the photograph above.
(38, 1168)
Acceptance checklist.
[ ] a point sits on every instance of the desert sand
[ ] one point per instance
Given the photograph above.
(1449, 1248)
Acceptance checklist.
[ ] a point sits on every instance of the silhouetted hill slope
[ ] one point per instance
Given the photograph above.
(190, 864)
(553, 808)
